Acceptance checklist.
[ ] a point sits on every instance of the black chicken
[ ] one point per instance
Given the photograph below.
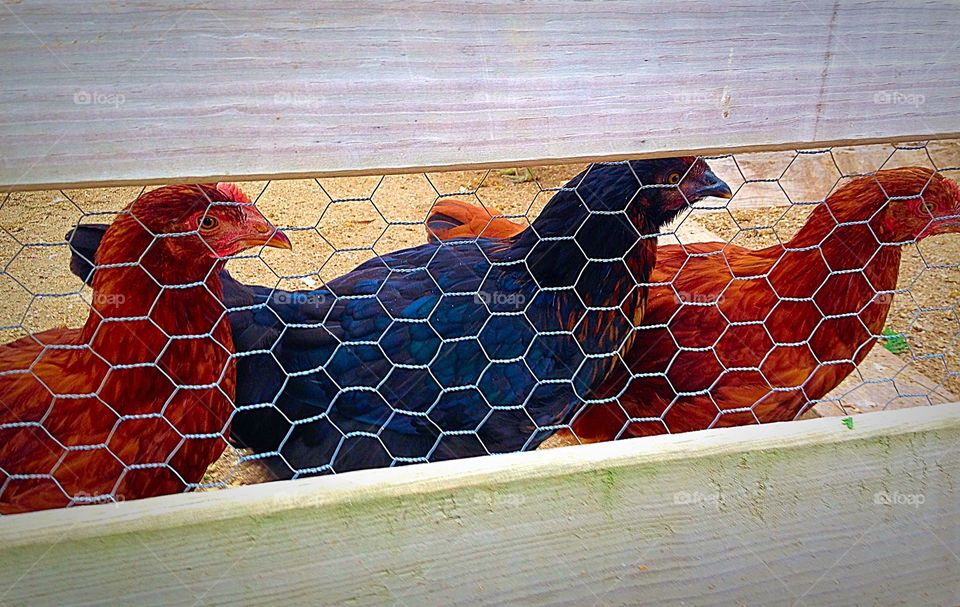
(453, 349)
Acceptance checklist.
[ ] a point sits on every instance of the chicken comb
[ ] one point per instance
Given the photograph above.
(952, 187)
(232, 191)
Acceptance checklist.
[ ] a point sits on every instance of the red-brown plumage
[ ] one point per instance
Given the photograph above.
(135, 402)
(454, 219)
(735, 336)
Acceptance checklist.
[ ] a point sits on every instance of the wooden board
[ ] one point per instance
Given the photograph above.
(150, 92)
(805, 513)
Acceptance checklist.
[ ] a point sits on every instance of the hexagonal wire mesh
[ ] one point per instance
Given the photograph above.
(354, 352)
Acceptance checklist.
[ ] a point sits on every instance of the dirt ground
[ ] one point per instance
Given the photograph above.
(338, 223)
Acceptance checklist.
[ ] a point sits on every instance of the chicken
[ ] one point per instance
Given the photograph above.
(453, 219)
(734, 336)
(458, 349)
(135, 402)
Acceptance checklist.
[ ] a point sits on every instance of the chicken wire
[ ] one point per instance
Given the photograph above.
(337, 224)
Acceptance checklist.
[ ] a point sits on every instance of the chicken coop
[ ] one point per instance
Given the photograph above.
(501, 303)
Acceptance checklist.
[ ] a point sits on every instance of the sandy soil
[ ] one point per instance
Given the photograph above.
(337, 223)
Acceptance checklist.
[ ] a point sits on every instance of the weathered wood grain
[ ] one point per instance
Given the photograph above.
(149, 92)
(804, 513)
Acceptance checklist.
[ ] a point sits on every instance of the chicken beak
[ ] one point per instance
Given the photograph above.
(944, 225)
(713, 186)
(278, 240)
(263, 233)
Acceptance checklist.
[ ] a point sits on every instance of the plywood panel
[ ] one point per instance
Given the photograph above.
(806, 513)
(145, 92)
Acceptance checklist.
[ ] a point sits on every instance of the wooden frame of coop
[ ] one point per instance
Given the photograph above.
(754, 515)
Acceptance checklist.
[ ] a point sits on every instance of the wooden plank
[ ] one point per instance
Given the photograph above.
(152, 92)
(806, 513)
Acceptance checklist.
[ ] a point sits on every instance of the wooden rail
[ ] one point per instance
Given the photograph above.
(149, 92)
(805, 513)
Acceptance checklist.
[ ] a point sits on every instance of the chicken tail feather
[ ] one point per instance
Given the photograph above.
(84, 241)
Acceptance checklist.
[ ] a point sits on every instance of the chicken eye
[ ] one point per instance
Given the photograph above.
(927, 207)
(674, 178)
(208, 223)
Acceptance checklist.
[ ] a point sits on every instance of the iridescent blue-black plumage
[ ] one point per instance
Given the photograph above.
(460, 348)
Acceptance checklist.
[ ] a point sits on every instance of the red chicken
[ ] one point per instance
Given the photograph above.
(134, 403)
(734, 336)
(455, 219)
